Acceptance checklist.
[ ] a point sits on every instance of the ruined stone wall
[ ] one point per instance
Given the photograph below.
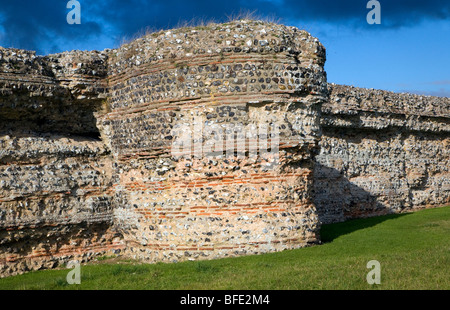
(202, 142)
(229, 77)
(381, 152)
(55, 172)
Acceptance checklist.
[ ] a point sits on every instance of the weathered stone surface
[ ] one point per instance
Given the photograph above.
(381, 152)
(215, 206)
(56, 177)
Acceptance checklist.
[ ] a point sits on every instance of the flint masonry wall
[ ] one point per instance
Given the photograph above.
(381, 152)
(127, 150)
(55, 172)
(226, 77)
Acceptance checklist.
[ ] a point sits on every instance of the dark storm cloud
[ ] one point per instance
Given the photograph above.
(131, 15)
(42, 23)
(394, 13)
(134, 15)
(35, 24)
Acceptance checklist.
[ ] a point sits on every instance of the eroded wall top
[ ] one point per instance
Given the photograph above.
(195, 62)
(356, 107)
(53, 93)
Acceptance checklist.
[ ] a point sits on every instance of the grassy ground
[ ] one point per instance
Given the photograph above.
(413, 250)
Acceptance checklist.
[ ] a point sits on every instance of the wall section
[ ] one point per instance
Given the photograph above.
(55, 172)
(229, 78)
(381, 152)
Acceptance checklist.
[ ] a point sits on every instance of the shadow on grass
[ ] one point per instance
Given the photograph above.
(343, 206)
(329, 232)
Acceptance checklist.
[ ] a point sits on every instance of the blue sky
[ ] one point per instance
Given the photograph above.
(409, 50)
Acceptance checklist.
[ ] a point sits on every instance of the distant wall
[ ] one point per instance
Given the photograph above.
(381, 152)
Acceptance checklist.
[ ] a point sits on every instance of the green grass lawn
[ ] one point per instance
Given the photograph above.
(413, 250)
